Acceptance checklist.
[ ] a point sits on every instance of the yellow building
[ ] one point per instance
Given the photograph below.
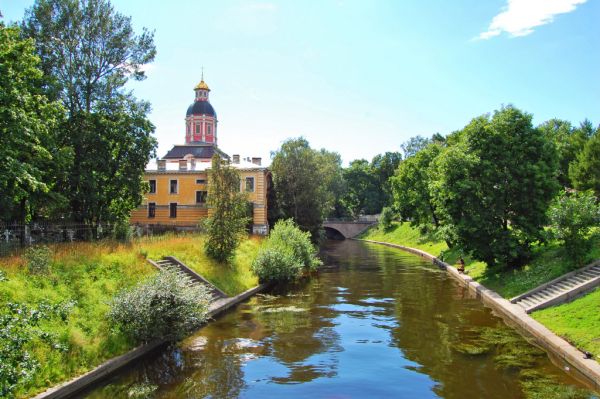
(178, 181)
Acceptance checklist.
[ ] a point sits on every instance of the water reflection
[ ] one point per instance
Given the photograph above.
(375, 323)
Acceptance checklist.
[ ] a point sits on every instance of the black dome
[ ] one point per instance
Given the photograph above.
(201, 108)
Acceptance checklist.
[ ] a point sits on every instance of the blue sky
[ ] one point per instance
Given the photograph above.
(361, 77)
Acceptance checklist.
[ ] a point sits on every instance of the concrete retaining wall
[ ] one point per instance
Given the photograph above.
(586, 370)
(72, 388)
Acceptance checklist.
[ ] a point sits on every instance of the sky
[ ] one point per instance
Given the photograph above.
(362, 77)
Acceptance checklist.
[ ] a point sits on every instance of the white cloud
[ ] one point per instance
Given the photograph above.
(520, 17)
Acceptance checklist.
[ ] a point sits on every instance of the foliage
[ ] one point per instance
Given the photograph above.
(88, 53)
(38, 259)
(122, 231)
(568, 141)
(19, 328)
(286, 254)
(363, 194)
(410, 188)
(414, 145)
(368, 184)
(31, 158)
(227, 218)
(166, 305)
(494, 186)
(572, 217)
(386, 218)
(585, 170)
(304, 180)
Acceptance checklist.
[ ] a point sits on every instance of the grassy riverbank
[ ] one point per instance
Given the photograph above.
(578, 321)
(89, 274)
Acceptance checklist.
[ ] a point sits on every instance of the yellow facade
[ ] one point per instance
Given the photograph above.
(190, 207)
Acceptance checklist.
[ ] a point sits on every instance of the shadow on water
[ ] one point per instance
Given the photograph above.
(375, 322)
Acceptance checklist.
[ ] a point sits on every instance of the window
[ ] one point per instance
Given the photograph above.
(152, 186)
(200, 197)
(151, 210)
(173, 210)
(208, 129)
(173, 187)
(198, 128)
(200, 181)
(250, 184)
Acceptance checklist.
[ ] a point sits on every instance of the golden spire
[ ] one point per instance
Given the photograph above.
(202, 85)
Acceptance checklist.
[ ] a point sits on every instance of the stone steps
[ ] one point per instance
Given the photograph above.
(189, 275)
(561, 289)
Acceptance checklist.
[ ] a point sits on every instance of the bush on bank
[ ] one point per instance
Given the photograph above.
(166, 305)
(286, 254)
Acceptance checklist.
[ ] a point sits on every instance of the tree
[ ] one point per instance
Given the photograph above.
(568, 141)
(89, 52)
(227, 210)
(363, 193)
(303, 180)
(493, 188)
(414, 145)
(572, 218)
(383, 167)
(31, 159)
(410, 188)
(585, 170)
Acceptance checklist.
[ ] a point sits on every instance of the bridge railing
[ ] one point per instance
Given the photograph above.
(360, 219)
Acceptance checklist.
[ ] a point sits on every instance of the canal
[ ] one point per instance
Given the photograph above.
(375, 323)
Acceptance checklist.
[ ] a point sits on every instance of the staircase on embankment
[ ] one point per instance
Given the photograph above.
(562, 289)
(189, 274)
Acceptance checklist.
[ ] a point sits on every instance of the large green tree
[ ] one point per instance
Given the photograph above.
(494, 186)
(31, 159)
(383, 167)
(585, 169)
(410, 187)
(569, 142)
(89, 52)
(227, 218)
(304, 180)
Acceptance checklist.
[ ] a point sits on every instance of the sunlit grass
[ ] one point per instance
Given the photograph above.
(90, 274)
(578, 321)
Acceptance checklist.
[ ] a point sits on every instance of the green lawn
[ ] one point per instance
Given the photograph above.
(90, 274)
(578, 321)
(548, 261)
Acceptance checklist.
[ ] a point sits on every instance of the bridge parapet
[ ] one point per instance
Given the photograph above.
(348, 228)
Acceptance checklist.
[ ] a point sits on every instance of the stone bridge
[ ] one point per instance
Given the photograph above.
(348, 228)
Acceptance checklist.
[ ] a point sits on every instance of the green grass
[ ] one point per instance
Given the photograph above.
(578, 321)
(549, 261)
(90, 274)
(233, 278)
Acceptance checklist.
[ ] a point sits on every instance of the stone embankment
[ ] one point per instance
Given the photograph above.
(567, 356)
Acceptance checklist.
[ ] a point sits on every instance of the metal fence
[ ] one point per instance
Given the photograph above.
(15, 237)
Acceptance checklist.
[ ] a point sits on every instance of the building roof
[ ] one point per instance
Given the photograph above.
(199, 166)
(201, 108)
(205, 151)
(201, 86)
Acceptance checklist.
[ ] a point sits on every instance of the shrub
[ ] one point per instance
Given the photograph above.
(122, 231)
(167, 305)
(38, 259)
(286, 254)
(19, 327)
(572, 216)
(386, 218)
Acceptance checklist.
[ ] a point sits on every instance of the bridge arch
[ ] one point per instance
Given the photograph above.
(348, 229)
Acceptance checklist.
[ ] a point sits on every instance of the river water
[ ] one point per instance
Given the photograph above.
(375, 323)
